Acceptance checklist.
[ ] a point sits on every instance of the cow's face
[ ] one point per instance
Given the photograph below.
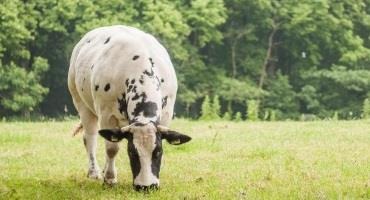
(144, 148)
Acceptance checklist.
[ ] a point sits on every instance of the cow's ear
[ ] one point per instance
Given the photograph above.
(175, 138)
(114, 135)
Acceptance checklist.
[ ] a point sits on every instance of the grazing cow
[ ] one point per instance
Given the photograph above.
(122, 80)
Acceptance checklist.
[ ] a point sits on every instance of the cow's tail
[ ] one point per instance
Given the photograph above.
(77, 129)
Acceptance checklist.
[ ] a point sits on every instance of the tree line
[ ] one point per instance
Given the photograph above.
(280, 58)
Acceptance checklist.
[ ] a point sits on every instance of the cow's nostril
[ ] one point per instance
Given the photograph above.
(146, 188)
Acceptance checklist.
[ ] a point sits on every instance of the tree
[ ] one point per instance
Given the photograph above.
(206, 112)
(216, 108)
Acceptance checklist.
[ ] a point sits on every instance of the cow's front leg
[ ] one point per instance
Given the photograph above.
(110, 172)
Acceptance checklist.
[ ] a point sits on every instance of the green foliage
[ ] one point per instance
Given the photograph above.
(366, 109)
(252, 110)
(206, 112)
(309, 98)
(310, 57)
(227, 116)
(272, 115)
(210, 110)
(335, 116)
(20, 89)
(216, 107)
(238, 117)
(281, 96)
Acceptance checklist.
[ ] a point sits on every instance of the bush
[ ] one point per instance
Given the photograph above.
(335, 116)
(252, 110)
(210, 110)
(238, 117)
(216, 108)
(206, 112)
(272, 115)
(366, 109)
(227, 116)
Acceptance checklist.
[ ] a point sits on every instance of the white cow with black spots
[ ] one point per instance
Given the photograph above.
(123, 83)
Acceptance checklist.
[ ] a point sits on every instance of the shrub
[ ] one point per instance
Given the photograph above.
(227, 116)
(206, 112)
(252, 110)
(238, 117)
(210, 110)
(216, 108)
(366, 109)
(335, 116)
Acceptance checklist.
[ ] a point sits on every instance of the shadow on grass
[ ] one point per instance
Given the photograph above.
(68, 188)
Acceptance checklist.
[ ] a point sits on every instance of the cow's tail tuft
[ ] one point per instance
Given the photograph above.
(77, 129)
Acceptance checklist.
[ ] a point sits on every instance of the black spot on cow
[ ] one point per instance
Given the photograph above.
(158, 82)
(157, 156)
(129, 88)
(107, 40)
(107, 87)
(150, 74)
(88, 41)
(164, 101)
(139, 124)
(137, 96)
(134, 157)
(135, 57)
(96, 87)
(151, 62)
(127, 82)
(122, 105)
(149, 109)
(84, 140)
(141, 80)
(134, 89)
(135, 120)
(162, 80)
(133, 81)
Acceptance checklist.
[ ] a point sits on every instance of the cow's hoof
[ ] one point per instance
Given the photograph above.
(110, 177)
(94, 174)
(110, 181)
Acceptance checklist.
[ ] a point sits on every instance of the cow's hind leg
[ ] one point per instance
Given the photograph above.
(111, 149)
(89, 123)
(110, 172)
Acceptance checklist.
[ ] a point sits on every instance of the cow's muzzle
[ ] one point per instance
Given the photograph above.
(145, 188)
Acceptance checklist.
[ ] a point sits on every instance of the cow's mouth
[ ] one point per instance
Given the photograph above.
(143, 188)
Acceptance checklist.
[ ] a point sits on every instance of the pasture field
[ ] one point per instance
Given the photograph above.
(225, 160)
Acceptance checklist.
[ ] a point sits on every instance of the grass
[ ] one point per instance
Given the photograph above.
(225, 160)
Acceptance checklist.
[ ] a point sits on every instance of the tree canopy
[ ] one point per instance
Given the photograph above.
(291, 57)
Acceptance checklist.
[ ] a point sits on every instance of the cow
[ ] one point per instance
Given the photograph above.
(123, 84)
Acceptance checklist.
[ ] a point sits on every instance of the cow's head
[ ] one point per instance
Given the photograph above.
(145, 149)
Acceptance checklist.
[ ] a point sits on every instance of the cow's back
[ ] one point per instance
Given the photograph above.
(105, 58)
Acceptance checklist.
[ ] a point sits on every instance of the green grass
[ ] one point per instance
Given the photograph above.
(225, 160)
